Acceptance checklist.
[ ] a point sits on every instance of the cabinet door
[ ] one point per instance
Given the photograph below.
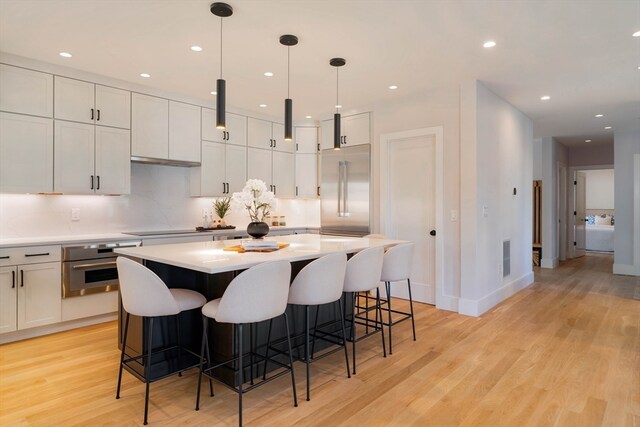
(259, 133)
(306, 175)
(112, 161)
(74, 100)
(26, 154)
(184, 131)
(149, 126)
(326, 133)
(279, 143)
(209, 177)
(39, 294)
(259, 165)
(356, 129)
(284, 174)
(209, 130)
(306, 139)
(74, 158)
(25, 91)
(236, 167)
(113, 107)
(8, 299)
(236, 129)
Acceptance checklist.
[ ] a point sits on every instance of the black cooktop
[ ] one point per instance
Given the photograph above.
(160, 232)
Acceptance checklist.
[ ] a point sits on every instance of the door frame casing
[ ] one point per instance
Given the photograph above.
(442, 301)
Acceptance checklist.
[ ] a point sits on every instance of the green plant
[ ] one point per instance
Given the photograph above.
(222, 206)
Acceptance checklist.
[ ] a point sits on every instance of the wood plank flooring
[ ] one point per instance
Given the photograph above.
(563, 352)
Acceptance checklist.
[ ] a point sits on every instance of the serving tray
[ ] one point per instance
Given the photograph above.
(241, 250)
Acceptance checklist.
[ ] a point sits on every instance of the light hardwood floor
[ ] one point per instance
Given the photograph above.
(563, 352)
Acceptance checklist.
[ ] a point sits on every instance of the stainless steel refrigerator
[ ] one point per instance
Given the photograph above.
(344, 191)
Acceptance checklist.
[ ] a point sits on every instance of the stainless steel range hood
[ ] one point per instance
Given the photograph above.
(165, 162)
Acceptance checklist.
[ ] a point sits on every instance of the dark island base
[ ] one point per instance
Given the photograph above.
(221, 338)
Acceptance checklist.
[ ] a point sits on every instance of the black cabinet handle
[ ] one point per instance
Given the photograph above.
(345, 139)
(22, 278)
(224, 188)
(13, 279)
(275, 143)
(92, 182)
(296, 146)
(318, 191)
(98, 118)
(318, 146)
(40, 254)
(5, 257)
(296, 190)
(98, 186)
(432, 232)
(92, 114)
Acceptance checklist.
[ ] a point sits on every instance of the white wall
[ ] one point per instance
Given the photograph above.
(537, 159)
(552, 153)
(599, 189)
(591, 155)
(496, 157)
(159, 200)
(626, 146)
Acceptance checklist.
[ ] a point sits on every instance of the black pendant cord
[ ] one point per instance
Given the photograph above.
(221, 47)
(337, 88)
(288, 70)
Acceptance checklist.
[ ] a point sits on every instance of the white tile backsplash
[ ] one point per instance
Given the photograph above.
(159, 200)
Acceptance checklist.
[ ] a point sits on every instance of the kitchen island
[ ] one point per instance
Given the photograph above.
(208, 268)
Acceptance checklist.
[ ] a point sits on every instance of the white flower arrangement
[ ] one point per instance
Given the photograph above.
(255, 198)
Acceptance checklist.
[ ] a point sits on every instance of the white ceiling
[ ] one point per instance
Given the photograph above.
(581, 53)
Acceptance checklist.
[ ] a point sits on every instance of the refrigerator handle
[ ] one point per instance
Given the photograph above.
(340, 188)
(345, 184)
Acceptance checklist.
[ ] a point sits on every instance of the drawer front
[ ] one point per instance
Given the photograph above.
(29, 255)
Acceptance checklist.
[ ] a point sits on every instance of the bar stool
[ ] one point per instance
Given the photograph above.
(396, 267)
(363, 275)
(144, 294)
(319, 282)
(255, 295)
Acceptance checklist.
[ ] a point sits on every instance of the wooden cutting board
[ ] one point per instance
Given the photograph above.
(241, 250)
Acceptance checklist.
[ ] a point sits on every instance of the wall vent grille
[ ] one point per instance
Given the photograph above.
(506, 258)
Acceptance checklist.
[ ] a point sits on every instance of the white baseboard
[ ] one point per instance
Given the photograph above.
(477, 307)
(549, 262)
(626, 269)
(56, 327)
(447, 302)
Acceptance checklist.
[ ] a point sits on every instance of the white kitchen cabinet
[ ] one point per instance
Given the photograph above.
(306, 140)
(149, 126)
(283, 174)
(223, 170)
(355, 130)
(235, 132)
(184, 132)
(85, 102)
(26, 154)
(267, 135)
(260, 165)
(30, 287)
(306, 175)
(91, 159)
(25, 91)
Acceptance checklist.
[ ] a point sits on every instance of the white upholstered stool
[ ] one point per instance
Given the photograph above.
(255, 295)
(144, 294)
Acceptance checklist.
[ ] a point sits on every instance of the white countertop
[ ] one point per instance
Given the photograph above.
(209, 257)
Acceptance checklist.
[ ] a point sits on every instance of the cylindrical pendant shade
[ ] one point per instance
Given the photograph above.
(288, 119)
(220, 104)
(336, 131)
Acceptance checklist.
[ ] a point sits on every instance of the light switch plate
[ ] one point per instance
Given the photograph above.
(485, 211)
(453, 215)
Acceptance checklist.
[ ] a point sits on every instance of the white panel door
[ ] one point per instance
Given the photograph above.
(279, 143)
(8, 299)
(113, 107)
(580, 222)
(112, 161)
(74, 158)
(25, 91)
(184, 131)
(208, 125)
(411, 208)
(326, 134)
(259, 133)
(236, 129)
(355, 129)
(306, 175)
(284, 174)
(235, 167)
(39, 294)
(306, 139)
(149, 126)
(259, 165)
(74, 100)
(26, 154)
(211, 172)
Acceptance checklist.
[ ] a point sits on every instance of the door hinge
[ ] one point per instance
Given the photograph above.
(574, 244)
(575, 213)
(575, 182)
(296, 146)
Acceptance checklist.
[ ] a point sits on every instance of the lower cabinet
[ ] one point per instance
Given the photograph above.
(30, 294)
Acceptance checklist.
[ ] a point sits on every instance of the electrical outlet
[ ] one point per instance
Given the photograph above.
(75, 214)
(454, 215)
(204, 212)
(485, 211)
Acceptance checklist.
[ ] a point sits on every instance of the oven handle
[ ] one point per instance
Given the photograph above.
(94, 265)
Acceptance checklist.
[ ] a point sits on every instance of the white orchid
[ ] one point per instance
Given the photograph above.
(255, 198)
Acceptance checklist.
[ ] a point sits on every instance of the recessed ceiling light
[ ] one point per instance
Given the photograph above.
(545, 98)
(145, 75)
(599, 115)
(489, 43)
(393, 87)
(638, 67)
(338, 106)
(65, 54)
(213, 92)
(268, 74)
(607, 127)
(196, 48)
(636, 34)
(263, 105)
(307, 117)
(587, 140)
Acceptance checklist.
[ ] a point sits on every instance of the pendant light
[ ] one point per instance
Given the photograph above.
(288, 40)
(337, 62)
(222, 10)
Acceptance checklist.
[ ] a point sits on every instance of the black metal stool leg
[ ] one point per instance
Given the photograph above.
(124, 344)
(388, 286)
(202, 345)
(206, 347)
(179, 340)
(251, 350)
(344, 339)
(315, 328)
(266, 351)
(413, 323)
(379, 311)
(353, 331)
(241, 376)
(148, 371)
(293, 377)
(307, 350)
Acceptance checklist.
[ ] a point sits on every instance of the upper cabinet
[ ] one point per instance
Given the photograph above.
(84, 102)
(267, 135)
(184, 131)
(149, 126)
(25, 91)
(355, 130)
(306, 140)
(234, 133)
